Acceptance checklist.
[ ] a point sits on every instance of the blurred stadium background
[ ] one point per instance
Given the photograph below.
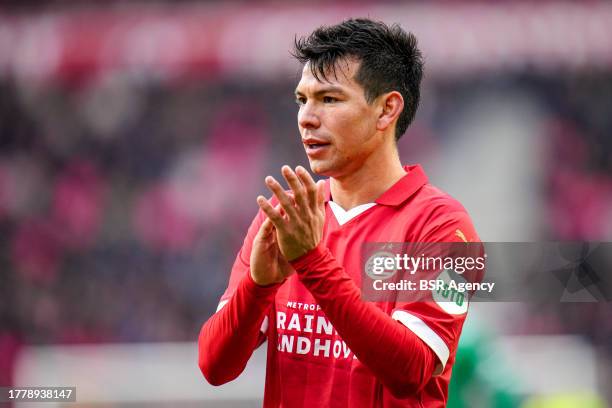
(134, 138)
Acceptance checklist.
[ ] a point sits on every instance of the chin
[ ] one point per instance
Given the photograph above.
(319, 168)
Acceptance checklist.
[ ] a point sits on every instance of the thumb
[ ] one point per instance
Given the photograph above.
(266, 228)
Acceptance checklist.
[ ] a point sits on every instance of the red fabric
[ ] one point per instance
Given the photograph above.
(229, 337)
(326, 346)
(396, 357)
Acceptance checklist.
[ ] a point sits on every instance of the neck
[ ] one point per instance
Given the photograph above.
(364, 185)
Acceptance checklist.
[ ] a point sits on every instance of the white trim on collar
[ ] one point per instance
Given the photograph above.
(343, 216)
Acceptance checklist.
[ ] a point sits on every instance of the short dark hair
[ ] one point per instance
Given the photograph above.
(389, 60)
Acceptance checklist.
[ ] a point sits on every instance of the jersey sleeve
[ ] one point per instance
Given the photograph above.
(242, 262)
(399, 360)
(227, 339)
(452, 226)
(241, 268)
(435, 320)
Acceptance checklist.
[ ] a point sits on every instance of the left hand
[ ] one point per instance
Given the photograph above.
(300, 228)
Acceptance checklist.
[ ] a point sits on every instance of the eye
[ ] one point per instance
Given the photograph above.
(329, 99)
(300, 100)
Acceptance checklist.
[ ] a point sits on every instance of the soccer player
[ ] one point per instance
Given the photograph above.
(295, 282)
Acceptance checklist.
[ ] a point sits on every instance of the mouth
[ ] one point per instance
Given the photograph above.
(314, 150)
(314, 143)
(315, 146)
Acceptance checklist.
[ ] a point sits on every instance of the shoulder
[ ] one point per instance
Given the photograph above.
(437, 202)
(443, 217)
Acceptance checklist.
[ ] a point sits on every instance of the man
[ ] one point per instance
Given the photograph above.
(295, 281)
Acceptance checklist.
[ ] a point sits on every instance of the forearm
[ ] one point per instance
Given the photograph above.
(229, 337)
(395, 355)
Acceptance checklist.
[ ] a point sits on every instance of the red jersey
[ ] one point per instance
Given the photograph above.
(326, 346)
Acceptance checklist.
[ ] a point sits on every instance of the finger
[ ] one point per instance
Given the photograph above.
(267, 228)
(285, 201)
(299, 192)
(281, 210)
(321, 193)
(273, 214)
(309, 184)
(266, 232)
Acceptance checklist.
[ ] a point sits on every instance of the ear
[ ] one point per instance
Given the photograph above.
(392, 105)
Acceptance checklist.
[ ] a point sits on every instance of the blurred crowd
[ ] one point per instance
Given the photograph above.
(123, 201)
(578, 190)
(577, 197)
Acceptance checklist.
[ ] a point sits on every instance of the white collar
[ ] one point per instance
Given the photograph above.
(343, 216)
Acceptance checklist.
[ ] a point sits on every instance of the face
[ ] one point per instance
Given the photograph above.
(337, 125)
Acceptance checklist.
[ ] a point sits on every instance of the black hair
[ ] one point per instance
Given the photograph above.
(389, 60)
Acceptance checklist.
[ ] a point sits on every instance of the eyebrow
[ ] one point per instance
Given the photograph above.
(327, 89)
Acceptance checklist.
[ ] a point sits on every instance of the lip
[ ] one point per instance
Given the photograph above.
(314, 151)
(315, 146)
(314, 140)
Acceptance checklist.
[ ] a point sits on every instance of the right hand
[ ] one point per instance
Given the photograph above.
(268, 265)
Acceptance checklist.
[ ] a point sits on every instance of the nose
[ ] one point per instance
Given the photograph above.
(308, 117)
